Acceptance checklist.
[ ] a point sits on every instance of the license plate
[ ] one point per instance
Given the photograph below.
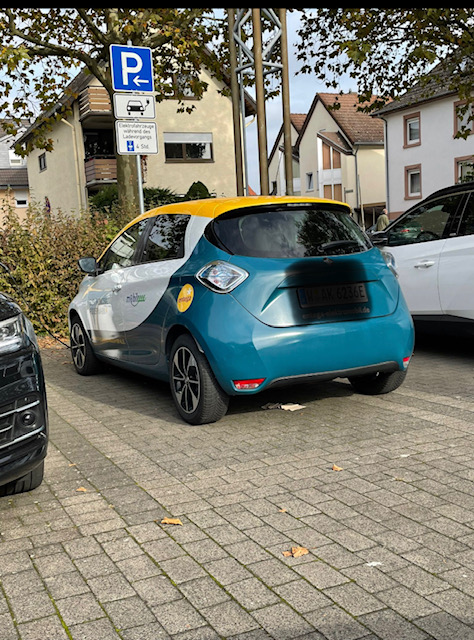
(334, 294)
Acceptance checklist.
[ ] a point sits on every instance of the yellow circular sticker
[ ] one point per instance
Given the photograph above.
(185, 297)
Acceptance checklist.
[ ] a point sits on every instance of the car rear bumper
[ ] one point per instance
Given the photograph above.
(240, 347)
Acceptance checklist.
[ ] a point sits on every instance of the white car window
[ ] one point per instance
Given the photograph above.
(426, 222)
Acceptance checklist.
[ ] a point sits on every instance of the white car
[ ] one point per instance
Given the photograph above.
(432, 245)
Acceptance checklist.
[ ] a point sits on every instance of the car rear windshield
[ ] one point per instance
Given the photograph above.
(298, 231)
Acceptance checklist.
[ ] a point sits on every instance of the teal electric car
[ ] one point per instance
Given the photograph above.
(232, 296)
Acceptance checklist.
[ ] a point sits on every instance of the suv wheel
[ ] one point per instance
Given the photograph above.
(378, 383)
(30, 481)
(83, 357)
(197, 395)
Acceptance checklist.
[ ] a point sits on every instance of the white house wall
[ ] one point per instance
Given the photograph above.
(436, 154)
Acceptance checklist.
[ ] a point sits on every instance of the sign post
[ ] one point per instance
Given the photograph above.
(134, 104)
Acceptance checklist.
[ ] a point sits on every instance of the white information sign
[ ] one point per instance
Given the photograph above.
(134, 106)
(136, 138)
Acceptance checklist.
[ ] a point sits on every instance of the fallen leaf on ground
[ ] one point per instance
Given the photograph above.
(296, 552)
(336, 468)
(82, 489)
(171, 521)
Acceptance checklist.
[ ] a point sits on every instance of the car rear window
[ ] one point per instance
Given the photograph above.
(300, 231)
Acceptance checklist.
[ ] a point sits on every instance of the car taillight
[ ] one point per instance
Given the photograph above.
(248, 384)
(221, 277)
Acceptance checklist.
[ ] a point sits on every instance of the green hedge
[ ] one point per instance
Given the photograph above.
(42, 251)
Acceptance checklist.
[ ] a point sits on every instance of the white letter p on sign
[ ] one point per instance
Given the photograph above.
(126, 69)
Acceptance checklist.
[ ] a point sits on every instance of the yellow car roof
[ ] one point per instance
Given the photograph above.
(214, 207)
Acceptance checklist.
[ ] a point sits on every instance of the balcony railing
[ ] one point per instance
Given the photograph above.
(100, 170)
(94, 100)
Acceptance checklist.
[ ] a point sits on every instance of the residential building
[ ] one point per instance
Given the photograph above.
(341, 155)
(276, 160)
(423, 152)
(197, 146)
(14, 192)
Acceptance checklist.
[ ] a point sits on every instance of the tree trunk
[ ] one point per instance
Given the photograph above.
(127, 183)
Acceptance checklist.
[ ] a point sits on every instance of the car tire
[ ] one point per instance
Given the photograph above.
(378, 383)
(197, 395)
(83, 356)
(28, 482)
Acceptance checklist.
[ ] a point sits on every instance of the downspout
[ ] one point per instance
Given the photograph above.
(385, 145)
(74, 142)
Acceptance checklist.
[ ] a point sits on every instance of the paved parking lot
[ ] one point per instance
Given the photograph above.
(390, 537)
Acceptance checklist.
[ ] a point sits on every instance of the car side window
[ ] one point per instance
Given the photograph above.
(121, 251)
(466, 228)
(166, 238)
(427, 222)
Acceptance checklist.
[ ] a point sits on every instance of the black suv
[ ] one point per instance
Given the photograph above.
(23, 407)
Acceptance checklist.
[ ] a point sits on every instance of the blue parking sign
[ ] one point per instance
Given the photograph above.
(132, 68)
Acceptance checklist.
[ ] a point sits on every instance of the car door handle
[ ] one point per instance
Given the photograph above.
(424, 265)
(117, 288)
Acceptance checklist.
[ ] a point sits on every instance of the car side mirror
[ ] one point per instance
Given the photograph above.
(379, 238)
(88, 265)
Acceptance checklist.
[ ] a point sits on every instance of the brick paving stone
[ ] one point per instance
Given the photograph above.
(354, 599)
(127, 613)
(406, 603)
(456, 603)
(389, 625)
(228, 618)
(282, 622)
(302, 596)
(443, 626)
(252, 594)
(321, 575)
(204, 592)
(336, 624)
(45, 629)
(420, 581)
(178, 616)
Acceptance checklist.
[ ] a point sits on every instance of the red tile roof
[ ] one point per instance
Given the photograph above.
(358, 126)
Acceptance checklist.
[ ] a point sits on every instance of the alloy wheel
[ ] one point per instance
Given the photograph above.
(78, 346)
(186, 380)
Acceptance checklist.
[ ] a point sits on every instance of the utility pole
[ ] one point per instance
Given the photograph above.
(260, 92)
(234, 85)
(259, 63)
(285, 92)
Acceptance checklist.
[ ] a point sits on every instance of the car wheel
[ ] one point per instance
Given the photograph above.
(378, 383)
(197, 395)
(83, 357)
(28, 482)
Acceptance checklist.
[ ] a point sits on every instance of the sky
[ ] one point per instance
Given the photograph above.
(303, 88)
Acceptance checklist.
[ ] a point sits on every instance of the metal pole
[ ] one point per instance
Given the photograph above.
(141, 202)
(260, 93)
(285, 84)
(234, 85)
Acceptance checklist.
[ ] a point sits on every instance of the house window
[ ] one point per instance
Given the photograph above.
(464, 169)
(181, 85)
(462, 113)
(413, 182)
(188, 147)
(309, 182)
(412, 135)
(42, 162)
(15, 161)
(21, 198)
